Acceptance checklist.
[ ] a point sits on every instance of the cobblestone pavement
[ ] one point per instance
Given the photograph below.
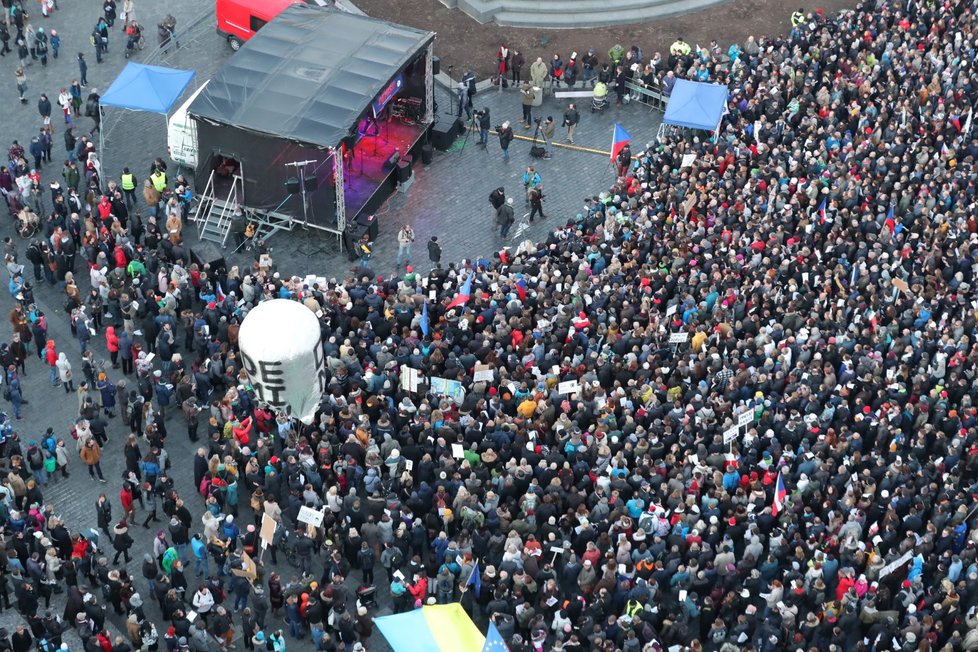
(448, 198)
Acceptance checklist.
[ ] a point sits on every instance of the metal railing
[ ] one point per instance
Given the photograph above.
(203, 22)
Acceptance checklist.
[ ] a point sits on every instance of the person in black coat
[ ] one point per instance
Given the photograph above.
(122, 542)
(434, 250)
(103, 514)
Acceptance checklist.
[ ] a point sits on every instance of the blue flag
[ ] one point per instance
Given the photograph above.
(475, 579)
(494, 640)
(425, 327)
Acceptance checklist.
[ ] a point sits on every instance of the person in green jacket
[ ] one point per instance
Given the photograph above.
(169, 556)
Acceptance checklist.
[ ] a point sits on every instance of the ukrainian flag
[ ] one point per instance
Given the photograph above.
(433, 628)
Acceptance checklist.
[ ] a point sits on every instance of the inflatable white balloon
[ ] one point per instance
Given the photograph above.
(282, 354)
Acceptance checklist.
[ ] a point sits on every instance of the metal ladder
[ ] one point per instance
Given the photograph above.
(214, 216)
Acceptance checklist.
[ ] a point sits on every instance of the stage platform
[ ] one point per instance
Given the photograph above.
(368, 179)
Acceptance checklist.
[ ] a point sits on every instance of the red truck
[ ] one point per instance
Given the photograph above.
(238, 20)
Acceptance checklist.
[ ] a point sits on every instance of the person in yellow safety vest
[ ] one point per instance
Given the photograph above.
(128, 182)
(159, 180)
(798, 18)
(633, 608)
(679, 48)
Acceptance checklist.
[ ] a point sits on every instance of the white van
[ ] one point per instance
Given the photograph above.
(181, 134)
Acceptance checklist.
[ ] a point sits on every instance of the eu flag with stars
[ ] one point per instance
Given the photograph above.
(494, 642)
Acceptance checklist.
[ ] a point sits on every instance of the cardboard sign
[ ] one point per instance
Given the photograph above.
(483, 372)
(901, 285)
(310, 516)
(678, 338)
(268, 526)
(745, 418)
(249, 572)
(730, 434)
(569, 387)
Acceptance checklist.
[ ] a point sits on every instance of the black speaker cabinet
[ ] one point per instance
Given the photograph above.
(403, 171)
(292, 185)
(369, 225)
(427, 153)
(435, 65)
(443, 135)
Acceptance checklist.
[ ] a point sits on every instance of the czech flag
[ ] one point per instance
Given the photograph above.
(464, 293)
(890, 222)
(619, 138)
(520, 286)
(821, 213)
(780, 495)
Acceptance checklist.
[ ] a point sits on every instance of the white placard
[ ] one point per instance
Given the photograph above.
(745, 418)
(671, 310)
(687, 160)
(409, 464)
(730, 434)
(483, 372)
(458, 451)
(310, 516)
(410, 378)
(569, 387)
(895, 564)
(678, 338)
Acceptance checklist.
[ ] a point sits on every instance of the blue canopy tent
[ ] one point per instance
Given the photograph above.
(696, 105)
(145, 88)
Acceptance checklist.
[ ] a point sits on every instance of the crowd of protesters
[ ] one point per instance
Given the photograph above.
(819, 258)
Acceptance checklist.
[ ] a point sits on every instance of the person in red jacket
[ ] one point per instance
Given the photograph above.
(242, 432)
(126, 498)
(112, 344)
(79, 547)
(51, 357)
(418, 589)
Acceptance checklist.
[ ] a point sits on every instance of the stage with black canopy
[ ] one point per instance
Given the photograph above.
(312, 84)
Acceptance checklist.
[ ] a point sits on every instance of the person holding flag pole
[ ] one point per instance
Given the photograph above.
(619, 141)
(474, 580)
(780, 496)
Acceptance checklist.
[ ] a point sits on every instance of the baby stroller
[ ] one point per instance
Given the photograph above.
(28, 222)
(366, 597)
(599, 99)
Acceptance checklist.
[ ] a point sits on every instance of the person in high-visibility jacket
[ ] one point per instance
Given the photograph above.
(159, 180)
(798, 18)
(679, 48)
(128, 182)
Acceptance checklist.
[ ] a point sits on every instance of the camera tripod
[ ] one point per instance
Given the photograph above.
(469, 127)
(535, 145)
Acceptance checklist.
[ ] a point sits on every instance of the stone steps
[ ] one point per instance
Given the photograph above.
(568, 14)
